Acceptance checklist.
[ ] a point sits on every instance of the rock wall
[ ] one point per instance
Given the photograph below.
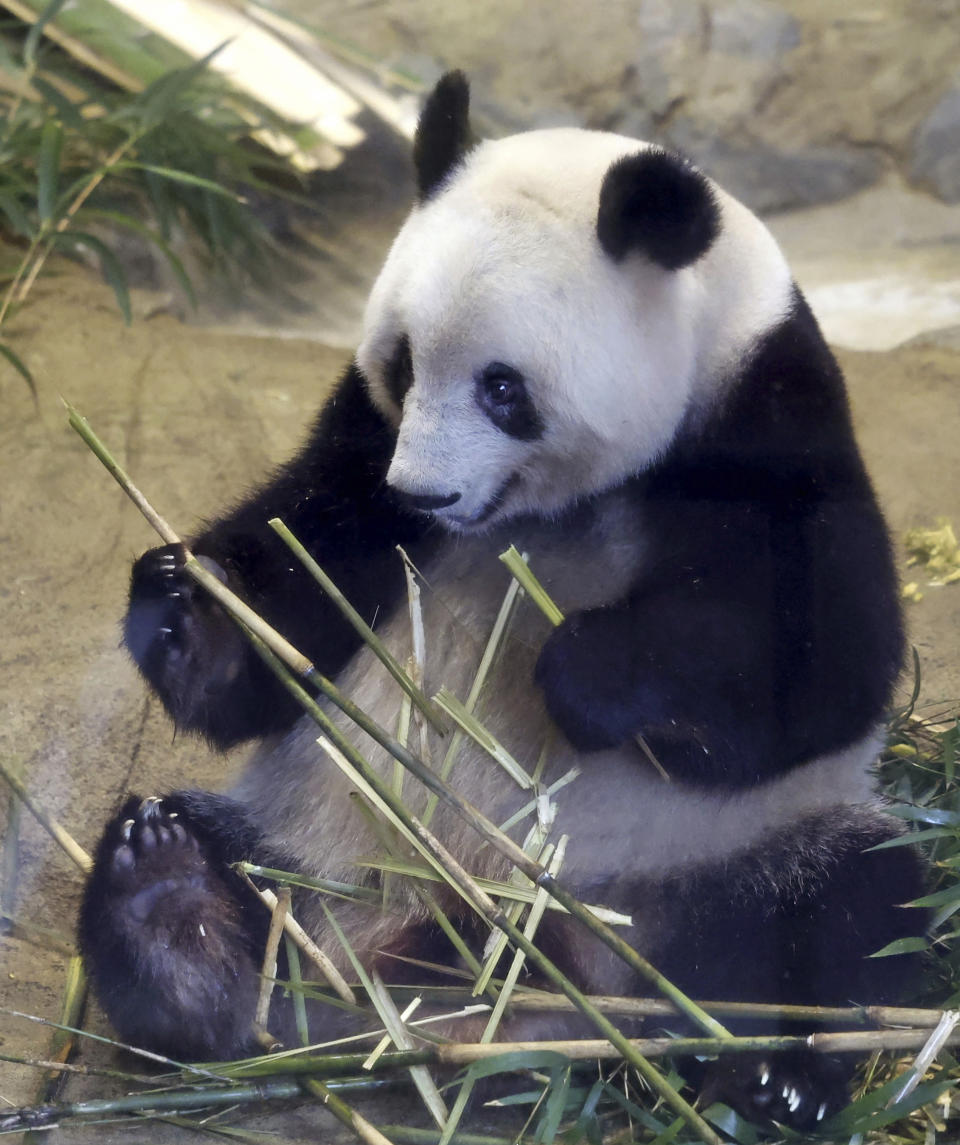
(787, 104)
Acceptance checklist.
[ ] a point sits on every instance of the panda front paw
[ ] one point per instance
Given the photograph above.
(592, 681)
(800, 1090)
(189, 650)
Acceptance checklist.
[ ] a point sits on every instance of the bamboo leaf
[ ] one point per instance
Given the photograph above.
(121, 220)
(915, 837)
(48, 168)
(731, 1123)
(109, 265)
(177, 176)
(157, 100)
(32, 42)
(938, 898)
(16, 215)
(902, 946)
(65, 108)
(926, 815)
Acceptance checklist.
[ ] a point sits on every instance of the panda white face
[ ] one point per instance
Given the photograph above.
(530, 360)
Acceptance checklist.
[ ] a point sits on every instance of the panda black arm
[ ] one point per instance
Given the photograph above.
(333, 496)
(764, 628)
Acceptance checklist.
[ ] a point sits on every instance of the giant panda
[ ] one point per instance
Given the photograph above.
(582, 346)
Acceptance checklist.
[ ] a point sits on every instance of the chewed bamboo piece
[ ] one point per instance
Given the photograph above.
(307, 945)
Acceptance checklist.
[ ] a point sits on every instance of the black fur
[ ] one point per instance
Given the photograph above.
(443, 135)
(658, 204)
(334, 497)
(752, 640)
(398, 375)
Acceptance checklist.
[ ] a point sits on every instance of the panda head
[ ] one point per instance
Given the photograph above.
(556, 306)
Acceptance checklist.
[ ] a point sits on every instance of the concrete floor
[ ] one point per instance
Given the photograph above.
(198, 414)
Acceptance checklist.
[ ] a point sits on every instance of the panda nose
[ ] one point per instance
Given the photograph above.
(425, 501)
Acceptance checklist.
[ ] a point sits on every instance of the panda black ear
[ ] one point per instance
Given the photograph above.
(659, 204)
(443, 133)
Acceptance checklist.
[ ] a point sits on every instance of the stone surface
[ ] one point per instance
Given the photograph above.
(936, 148)
(788, 103)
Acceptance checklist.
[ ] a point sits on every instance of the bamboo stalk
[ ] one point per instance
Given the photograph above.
(494, 642)
(296, 990)
(200, 1071)
(469, 725)
(889, 1016)
(509, 982)
(64, 1041)
(359, 625)
(598, 1049)
(45, 1116)
(496, 917)
(47, 821)
(268, 974)
(308, 946)
(346, 1114)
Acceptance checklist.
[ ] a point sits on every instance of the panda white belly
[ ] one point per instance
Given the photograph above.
(621, 815)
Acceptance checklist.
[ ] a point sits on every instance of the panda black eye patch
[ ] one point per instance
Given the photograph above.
(398, 374)
(503, 397)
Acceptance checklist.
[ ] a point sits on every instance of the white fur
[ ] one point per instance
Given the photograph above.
(504, 265)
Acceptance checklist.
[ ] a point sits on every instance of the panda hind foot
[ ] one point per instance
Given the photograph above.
(166, 937)
(800, 1090)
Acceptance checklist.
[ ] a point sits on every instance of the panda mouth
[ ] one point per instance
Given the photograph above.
(487, 510)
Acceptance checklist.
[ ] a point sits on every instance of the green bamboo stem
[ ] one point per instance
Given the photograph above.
(494, 641)
(510, 980)
(359, 625)
(327, 886)
(63, 1042)
(889, 1016)
(346, 1114)
(487, 908)
(47, 821)
(39, 1117)
(200, 1071)
(297, 998)
(294, 659)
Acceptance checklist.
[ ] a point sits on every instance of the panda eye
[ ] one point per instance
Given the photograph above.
(501, 389)
(502, 395)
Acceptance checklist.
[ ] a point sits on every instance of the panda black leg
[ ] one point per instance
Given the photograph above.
(171, 942)
(799, 1089)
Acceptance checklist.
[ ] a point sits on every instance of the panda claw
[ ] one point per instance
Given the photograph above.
(765, 1076)
(821, 1111)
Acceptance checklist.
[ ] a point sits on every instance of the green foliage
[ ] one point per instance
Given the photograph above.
(80, 160)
